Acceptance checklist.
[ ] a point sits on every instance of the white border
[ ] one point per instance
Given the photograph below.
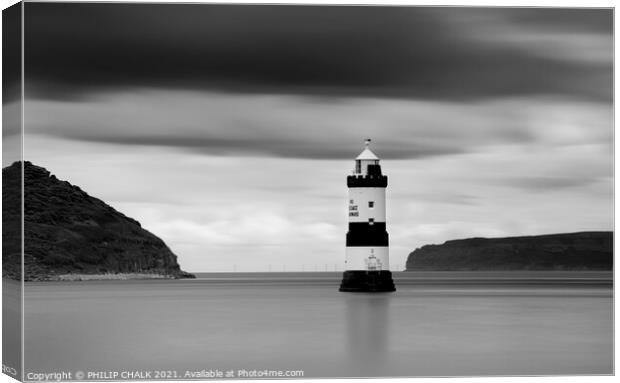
(522, 3)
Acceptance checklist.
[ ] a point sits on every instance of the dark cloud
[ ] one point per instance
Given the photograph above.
(77, 49)
(11, 52)
(271, 146)
(565, 19)
(289, 127)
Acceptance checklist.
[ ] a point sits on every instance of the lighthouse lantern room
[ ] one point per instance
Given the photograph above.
(367, 265)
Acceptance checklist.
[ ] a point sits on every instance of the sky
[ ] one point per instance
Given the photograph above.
(229, 130)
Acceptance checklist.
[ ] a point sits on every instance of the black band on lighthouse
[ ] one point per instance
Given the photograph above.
(367, 181)
(363, 234)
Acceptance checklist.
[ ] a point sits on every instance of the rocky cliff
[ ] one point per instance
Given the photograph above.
(572, 251)
(66, 231)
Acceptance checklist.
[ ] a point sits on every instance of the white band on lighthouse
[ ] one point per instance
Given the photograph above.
(375, 258)
(366, 203)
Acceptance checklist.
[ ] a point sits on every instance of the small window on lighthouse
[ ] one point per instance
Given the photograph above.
(371, 221)
(371, 204)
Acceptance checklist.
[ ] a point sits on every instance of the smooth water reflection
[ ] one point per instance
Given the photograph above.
(367, 325)
(417, 331)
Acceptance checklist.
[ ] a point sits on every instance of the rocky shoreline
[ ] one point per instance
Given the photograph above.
(110, 276)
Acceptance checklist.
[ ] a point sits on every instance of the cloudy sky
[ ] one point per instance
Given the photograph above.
(228, 130)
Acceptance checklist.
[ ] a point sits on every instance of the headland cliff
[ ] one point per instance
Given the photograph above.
(570, 251)
(68, 232)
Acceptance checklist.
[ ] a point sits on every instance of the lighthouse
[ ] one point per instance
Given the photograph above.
(367, 264)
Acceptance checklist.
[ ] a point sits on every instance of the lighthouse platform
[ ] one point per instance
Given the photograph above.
(367, 281)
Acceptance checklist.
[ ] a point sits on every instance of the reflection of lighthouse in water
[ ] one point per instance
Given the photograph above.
(368, 319)
(367, 266)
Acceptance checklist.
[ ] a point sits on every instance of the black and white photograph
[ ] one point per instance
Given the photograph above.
(233, 191)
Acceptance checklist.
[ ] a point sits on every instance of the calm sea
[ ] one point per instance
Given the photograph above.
(436, 324)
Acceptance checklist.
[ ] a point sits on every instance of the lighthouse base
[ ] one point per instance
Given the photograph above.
(360, 281)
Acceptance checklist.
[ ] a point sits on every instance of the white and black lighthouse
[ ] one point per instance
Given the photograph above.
(367, 264)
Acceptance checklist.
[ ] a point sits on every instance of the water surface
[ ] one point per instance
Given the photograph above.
(436, 324)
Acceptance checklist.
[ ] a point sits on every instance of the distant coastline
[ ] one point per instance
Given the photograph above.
(109, 277)
(566, 251)
(329, 279)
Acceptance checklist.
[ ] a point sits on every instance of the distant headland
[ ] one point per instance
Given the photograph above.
(70, 235)
(571, 251)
